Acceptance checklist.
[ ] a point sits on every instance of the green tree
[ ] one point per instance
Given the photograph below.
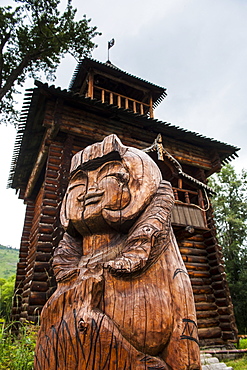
(33, 38)
(230, 210)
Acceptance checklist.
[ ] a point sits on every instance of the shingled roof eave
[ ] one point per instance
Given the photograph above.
(94, 102)
(28, 107)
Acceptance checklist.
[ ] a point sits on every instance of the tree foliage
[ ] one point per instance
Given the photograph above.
(34, 36)
(230, 209)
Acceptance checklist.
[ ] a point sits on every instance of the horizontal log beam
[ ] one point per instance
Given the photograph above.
(204, 289)
(206, 306)
(193, 251)
(207, 323)
(213, 332)
(39, 286)
(204, 298)
(206, 314)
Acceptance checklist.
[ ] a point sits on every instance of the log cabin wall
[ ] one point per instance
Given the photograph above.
(203, 260)
(27, 305)
(41, 234)
(76, 123)
(92, 128)
(22, 264)
(198, 252)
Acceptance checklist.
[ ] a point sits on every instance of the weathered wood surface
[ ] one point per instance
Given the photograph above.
(185, 214)
(124, 298)
(57, 126)
(191, 247)
(33, 283)
(91, 128)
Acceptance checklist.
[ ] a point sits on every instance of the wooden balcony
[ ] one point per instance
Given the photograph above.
(189, 208)
(121, 101)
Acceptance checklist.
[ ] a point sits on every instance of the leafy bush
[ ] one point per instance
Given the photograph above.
(6, 296)
(17, 351)
(242, 343)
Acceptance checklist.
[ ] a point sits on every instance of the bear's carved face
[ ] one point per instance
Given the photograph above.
(111, 185)
(92, 192)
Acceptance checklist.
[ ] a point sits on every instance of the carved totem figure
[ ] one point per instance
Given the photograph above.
(124, 299)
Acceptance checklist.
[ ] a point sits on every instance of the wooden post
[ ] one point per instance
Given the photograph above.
(134, 106)
(103, 95)
(141, 109)
(175, 194)
(119, 101)
(111, 98)
(187, 198)
(200, 199)
(90, 85)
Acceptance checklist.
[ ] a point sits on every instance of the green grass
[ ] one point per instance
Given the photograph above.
(17, 352)
(242, 343)
(240, 364)
(9, 258)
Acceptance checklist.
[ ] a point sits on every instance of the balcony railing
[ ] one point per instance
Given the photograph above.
(191, 206)
(121, 101)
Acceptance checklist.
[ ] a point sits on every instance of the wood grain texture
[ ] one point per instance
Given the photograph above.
(124, 298)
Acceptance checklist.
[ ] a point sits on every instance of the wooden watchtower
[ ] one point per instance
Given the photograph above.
(102, 100)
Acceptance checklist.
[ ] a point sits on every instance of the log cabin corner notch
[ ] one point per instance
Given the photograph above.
(55, 124)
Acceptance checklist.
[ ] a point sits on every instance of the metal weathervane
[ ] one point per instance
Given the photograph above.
(110, 45)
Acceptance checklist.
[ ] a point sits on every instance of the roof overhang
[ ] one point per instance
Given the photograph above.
(31, 130)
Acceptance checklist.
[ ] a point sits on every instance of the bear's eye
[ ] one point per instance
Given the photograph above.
(75, 184)
(79, 179)
(121, 177)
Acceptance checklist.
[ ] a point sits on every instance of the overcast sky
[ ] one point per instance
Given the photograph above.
(197, 49)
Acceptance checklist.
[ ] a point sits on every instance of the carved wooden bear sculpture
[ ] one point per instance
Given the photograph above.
(124, 299)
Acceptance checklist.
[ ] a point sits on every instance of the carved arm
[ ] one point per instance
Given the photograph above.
(149, 236)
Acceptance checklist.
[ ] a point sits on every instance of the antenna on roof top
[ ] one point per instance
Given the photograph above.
(110, 45)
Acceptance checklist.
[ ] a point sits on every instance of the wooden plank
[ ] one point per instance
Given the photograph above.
(187, 215)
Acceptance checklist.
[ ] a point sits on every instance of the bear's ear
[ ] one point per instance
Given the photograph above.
(65, 221)
(63, 215)
(71, 230)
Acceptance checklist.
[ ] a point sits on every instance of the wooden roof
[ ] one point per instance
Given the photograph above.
(112, 72)
(31, 129)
